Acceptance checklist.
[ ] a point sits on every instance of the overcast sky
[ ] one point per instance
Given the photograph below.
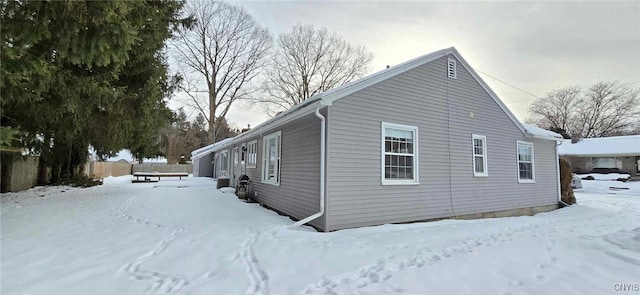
(535, 46)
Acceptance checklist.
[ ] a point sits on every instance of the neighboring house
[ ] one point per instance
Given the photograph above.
(604, 153)
(126, 156)
(423, 140)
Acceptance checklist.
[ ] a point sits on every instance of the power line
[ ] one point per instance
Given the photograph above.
(505, 83)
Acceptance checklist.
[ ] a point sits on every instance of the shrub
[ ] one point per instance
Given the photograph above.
(565, 183)
(580, 171)
(80, 181)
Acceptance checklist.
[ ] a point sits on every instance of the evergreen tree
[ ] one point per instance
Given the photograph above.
(80, 73)
(182, 137)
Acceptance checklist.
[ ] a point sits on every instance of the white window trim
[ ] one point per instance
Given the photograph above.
(265, 168)
(236, 157)
(533, 163)
(243, 154)
(254, 144)
(226, 157)
(484, 155)
(416, 175)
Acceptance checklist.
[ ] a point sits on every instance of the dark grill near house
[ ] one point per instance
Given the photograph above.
(242, 186)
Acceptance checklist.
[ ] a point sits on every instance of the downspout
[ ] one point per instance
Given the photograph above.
(558, 143)
(322, 168)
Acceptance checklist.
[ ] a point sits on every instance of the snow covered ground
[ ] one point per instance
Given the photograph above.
(599, 176)
(186, 237)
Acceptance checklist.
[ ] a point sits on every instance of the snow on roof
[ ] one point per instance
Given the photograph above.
(538, 132)
(327, 97)
(277, 120)
(603, 146)
(331, 95)
(210, 148)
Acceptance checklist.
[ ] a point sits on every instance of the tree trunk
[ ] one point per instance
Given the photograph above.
(212, 113)
(55, 172)
(43, 162)
(566, 176)
(5, 174)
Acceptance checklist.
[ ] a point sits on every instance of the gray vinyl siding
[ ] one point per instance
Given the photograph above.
(447, 186)
(298, 194)
(205, 169)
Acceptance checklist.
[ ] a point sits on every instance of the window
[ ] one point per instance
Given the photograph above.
(235, 157)
(451, 68)
(399, 152)
(606, 162)
(479, 155)
(525, 162)
(252, 154)
(224, 161)
(271, 159)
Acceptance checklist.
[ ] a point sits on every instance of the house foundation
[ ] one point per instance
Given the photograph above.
(509, 213)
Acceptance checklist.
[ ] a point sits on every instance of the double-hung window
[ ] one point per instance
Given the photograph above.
(479, 155)
(525, 162)
(243, 154)
(271, 158)
(235, 157)
(252, 154)
(224, 161)
(399, 154)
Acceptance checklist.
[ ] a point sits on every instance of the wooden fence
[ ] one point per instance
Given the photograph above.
(19, 175)
(22, 173)
(106, 169)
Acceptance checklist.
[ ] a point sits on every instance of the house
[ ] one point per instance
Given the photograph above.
(423, 140)
(616, 153)
(202, 161)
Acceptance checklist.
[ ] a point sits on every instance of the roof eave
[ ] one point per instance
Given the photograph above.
(332, 95)
(285, 117)
(527, 134)
(486, 87)
(329, 96)
(601, 155)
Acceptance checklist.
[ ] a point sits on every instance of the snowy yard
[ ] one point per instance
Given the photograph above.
(186, 237)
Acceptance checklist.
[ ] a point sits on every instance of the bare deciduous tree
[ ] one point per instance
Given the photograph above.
(604, 109)
(223, 52)
(608, 107)
(555, 110)
(309, 61)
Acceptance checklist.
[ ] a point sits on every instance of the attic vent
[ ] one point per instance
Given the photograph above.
(451, 68)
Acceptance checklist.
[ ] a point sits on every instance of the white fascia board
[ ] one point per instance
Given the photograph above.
(223, 144)
(202, 150)
(210, 148)
(537, 132)
(285, 117)
(489, 91)
(328, 97)
(331, 95)
(553, 138)
(297, 111)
